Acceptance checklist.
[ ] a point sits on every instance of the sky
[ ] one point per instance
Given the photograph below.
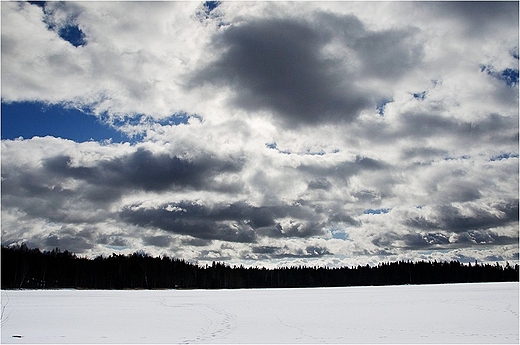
(262, 133)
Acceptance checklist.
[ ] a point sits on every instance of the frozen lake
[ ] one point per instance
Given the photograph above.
(458, 313)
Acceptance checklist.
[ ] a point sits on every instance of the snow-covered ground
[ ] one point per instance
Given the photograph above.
(458, 313)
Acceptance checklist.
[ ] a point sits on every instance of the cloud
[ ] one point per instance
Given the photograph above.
(126, 62)
(74, 244)
(320, 184)
(144, 170)
(236, 222)
(285, 66)
(286, 252)
(268, 133)
(158, 241)
(479, 18)
(451, 218)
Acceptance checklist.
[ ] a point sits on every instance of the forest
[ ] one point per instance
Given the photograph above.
(25, 268)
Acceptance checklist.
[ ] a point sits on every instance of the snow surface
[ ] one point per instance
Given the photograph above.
(457, 313)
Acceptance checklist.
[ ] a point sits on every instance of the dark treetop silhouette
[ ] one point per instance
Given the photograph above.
(30, 268)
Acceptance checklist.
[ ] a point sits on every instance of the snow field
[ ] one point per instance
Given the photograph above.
(457, 313)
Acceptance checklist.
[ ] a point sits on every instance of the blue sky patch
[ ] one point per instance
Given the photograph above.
(70, 32)
(29, 119)
(73, 35)
(376, 210)
(206, 11)
(381, 106)
(339, 234)
(508, 75)
(38, 3)
(451, 158)
(420, 95)
(211, 5)
(504, 156)
(179, 118)
(308, 152)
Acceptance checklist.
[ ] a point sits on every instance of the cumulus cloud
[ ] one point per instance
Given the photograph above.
(271, 133)
(144, 170)
(236, 222)
(290, 66)
(455, 219)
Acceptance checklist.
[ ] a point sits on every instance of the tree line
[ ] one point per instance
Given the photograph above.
(33, 269)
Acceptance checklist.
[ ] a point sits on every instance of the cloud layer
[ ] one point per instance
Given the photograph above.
(272, 133)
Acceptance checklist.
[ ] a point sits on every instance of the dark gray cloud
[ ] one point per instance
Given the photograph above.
(384, 54)
(46, 192)
(418, 240)
(44, 196)
(30, 183)
(234, 222)
(264, 249)
(485, 237)
(476, 16)
(463, 191)
(195, 226)
(437, 123)
(449, 227)
(273, 252)
(27, 190)
(494, 128)
(317, 251)
(453, 220)
(74, 244)
(280, 65)
(341, 217)
(113, 241)
(197, 242)
(388, 54)
(303, 229)
(422, 223)
(212, 255)
(276, 65)
(368, 195)
(43, 184)
(442, 240)
(320, 184)
(342, 170)
(146, 171)
(158, 241)
(423, 153)
(450, 218)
